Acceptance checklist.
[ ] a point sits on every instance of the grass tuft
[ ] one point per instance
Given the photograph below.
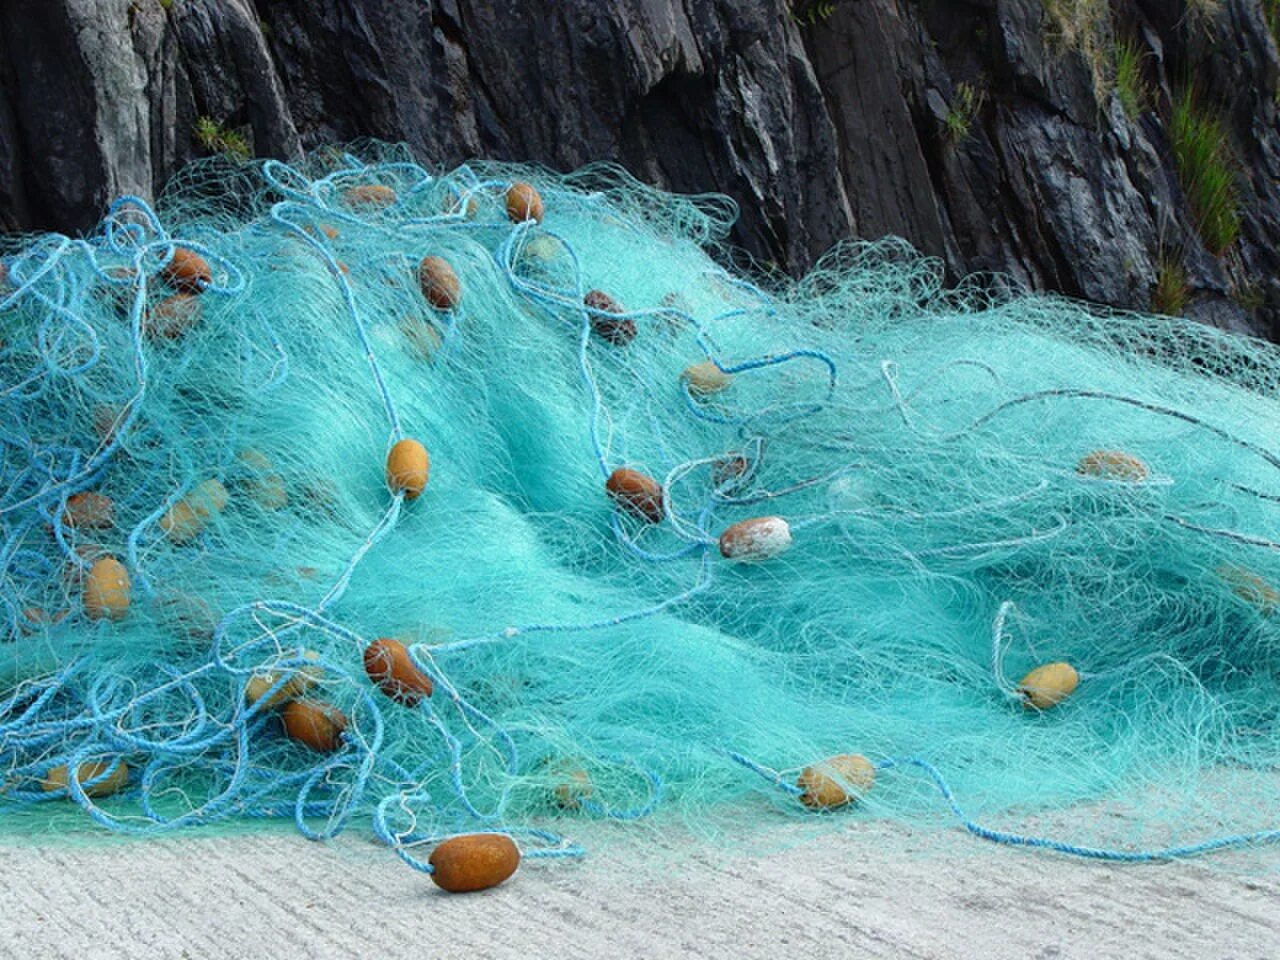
(213, 137)
(1206, 171)
(963, 110)
(810, 12)
(1203, 11)
(1131, 85)
(1172, 291)
(1083, 26)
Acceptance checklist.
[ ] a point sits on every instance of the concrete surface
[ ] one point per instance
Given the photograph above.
(869, 890)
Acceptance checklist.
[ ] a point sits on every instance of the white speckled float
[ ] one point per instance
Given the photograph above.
(757, 539)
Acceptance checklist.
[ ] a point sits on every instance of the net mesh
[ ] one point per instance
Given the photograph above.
(200, 542)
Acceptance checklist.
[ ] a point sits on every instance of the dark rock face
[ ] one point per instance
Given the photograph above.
(54, 181)
(986, 132)
(693, 96)
(1048, 179)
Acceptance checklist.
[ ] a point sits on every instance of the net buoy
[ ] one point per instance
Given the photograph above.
(186, 615)
(106, 590)
(474, 861)
(1047, 686)
(422, 339)
(210, 496)
(836, 781)
(1251, 588)
(173, 316)
(392, 670)
(187, 271)
(618, 331)
(37, 618)
(452, 204)
(408, 466)
(728, 471)
(574, 786)
(440, 285)
(265, 486)
(106, 419)
(524, 203)
(314, 724)
(1112, 465)
(181, 522)
(257, 686)
(541, 248)
(706, 378)
(297, 684)
(186, 519)
(637, 494)
(370, 196)
(89, 510)
(756, 539)
(118, 779)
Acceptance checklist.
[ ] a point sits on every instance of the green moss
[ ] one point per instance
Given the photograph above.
(166, 5)
(213, 137)
(1172, 291)
(1206, 171)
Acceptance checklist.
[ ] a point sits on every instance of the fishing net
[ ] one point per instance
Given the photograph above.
(665, 542)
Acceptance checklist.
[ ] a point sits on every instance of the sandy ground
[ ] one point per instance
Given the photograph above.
(869, 890)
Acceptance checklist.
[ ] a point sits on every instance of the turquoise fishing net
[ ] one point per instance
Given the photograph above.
(976, 483)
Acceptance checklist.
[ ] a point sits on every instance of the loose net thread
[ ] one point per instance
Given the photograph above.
(922, 443)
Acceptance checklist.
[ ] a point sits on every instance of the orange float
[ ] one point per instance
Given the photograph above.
(370, 196)
(636, 493)
(106, 590)
(756, 539)
(836, 781)
(440, 285)
(1113, 465)
(618, 331)
(524, 203)
(474, 861)
(408, 467)
(392, 670)
(187, 271)
(314, 724)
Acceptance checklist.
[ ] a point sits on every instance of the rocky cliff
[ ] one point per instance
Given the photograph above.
(1127, 153)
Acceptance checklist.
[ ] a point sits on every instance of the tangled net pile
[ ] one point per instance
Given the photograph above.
(202, 537)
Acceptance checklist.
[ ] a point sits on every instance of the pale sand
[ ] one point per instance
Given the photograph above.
(868, 890)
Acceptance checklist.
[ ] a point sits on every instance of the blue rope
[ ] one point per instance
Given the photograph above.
(1006, 838)
(1091, 853)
